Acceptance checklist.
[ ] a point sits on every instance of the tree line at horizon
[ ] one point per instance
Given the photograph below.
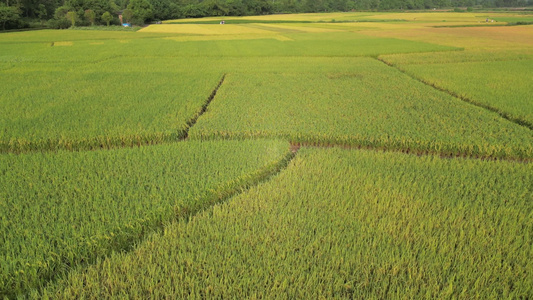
(65, 13)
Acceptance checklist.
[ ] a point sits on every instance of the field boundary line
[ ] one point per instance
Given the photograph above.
(410, 152)
(228, 190)
(103, 142)
(382, 58)
(365, 143)
(220, 194)
(203, 109)
(501, 113)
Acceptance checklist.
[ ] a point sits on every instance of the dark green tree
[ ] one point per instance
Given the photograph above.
(162, 9)
(257, 7)
(61, 12)
(98, 6)
(127, 15)
(8, 14)
(13, 11)
(42, 13)
(142, 11)
(60, 20)
(216, 7)
(90, 15)
(72, 16)
(235, 8)
(107, 17)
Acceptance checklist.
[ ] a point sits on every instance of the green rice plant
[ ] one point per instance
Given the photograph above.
(502, 85)
(17, 52)
(60, 210)
(57, 96)
(48, 36)
(359, 102)
(75, 46)
(430, 58)
(337, 224)
(98, 109)
(341, 223)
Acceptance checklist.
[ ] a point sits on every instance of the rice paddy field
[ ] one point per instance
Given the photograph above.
(345, 155)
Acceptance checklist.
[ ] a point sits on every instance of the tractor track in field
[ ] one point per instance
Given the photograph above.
(501, 113)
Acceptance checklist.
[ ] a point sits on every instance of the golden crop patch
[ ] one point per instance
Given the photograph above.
(204, 29)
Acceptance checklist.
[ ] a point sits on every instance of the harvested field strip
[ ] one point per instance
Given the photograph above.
(66, 209)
